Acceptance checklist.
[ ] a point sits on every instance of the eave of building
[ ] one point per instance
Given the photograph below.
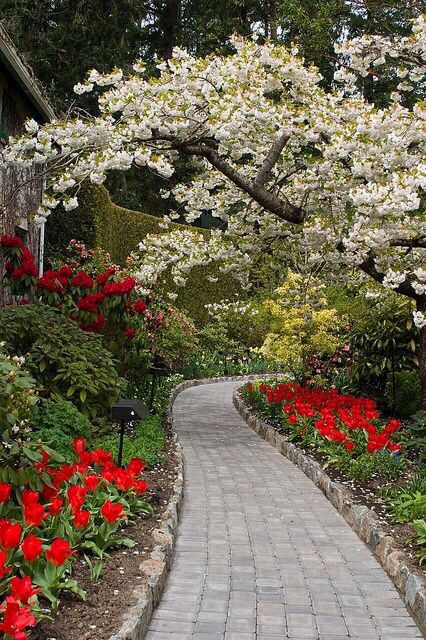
(11, 59)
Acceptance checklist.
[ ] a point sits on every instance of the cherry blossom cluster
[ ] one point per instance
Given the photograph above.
(282, 163)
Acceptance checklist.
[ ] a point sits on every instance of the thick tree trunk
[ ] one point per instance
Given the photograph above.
(273, 19)
(171, 19)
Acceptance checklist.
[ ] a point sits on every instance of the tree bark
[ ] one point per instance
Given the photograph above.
(171, 19)
(273, 20)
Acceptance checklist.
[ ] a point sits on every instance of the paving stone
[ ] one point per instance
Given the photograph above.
(261, 554)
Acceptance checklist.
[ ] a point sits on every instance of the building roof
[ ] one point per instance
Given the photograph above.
(21, 72)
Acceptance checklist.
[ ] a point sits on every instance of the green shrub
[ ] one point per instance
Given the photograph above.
(383, 337)
(408, 506)
(57, 423)
(407, 393)
(66, 362)
(100, 222)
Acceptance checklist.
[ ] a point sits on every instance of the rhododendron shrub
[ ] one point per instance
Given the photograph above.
(102, 298)
(337, 425)
(44, 523)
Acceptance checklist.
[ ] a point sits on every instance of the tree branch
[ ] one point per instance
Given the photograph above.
(270, 160)
(280, 206)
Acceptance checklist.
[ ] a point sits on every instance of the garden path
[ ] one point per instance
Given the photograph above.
(261, 553)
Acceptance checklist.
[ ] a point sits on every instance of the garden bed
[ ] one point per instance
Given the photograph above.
(358, 504)
(101, 614)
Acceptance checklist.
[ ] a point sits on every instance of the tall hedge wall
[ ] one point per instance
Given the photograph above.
(99, 222)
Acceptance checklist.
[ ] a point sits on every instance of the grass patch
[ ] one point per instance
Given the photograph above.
(147, 441)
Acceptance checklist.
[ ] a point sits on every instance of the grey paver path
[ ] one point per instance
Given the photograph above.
(261, 553)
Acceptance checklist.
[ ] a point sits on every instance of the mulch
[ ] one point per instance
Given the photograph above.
(100, 615)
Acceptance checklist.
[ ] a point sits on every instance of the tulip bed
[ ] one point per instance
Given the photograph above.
(62, 510)
(347, 431)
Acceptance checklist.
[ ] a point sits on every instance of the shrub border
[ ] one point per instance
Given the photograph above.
(362, 520)
(157, 566)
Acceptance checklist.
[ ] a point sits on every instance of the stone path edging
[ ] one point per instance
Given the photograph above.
(156, 568)
(362, 520)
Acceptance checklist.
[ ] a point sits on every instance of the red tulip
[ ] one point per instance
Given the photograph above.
(29, 497)
(16, 619)
(112, 512)
(55, 506)
(79, 445)
(31, 547)
(22, 589)
(135, 467)
(3, 569)
(34, 514)
(81, 519)
(59, 552)
(10, 534)
(91, 482)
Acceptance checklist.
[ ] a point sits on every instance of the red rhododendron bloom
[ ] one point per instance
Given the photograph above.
(59, 551)
(34, 514)
(65, 271)
(79, 445)
(45, 458)
(10, 534)
(49, 492)
(31, 547)
(112, 512)
(3, 569)
(135, 467)
(82, 281)
(5, 491)
(29, 497)
(139, 306)
(11, 241)
(81, 518)
(103, 278)
(292, 419)
(55, 506)
(22, 589)
(130, 333)
(16, 619)
(349, 446)
(91, 482)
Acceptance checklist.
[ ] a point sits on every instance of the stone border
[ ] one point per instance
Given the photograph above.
(156, 568)
(363, 521)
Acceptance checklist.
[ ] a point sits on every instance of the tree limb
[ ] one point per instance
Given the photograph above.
(280, 206)
(270, 160)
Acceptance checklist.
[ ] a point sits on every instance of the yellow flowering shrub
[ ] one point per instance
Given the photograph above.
(301, 325)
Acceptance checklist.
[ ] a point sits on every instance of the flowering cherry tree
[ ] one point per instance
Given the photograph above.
(280, 161)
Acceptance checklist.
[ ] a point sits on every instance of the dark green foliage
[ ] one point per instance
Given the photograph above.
(119, 231)
(383, 338)
(63, 39)
(65, 361)
(57, 423)
(407, 393)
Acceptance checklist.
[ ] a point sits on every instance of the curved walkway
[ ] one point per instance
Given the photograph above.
(261, 553)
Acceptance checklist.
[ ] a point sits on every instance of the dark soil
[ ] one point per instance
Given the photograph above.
(100, 615)
(367, 495)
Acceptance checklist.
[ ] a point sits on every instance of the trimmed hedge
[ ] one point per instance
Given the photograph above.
(99, 222)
